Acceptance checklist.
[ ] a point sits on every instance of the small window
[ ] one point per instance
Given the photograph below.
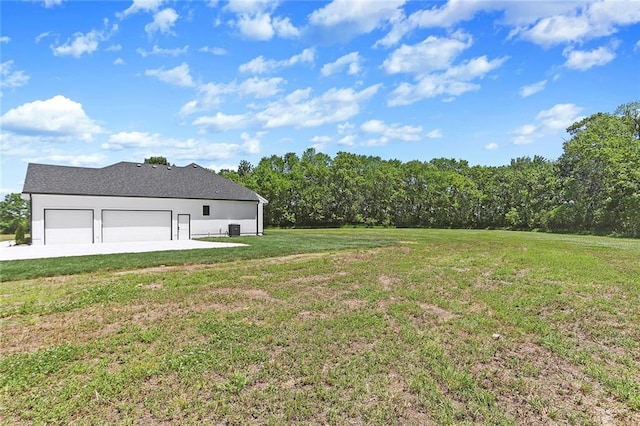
(205, 210)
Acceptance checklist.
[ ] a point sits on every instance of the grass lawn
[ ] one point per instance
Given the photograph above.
(361, 326)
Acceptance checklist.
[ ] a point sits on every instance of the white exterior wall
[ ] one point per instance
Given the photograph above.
(248, 214)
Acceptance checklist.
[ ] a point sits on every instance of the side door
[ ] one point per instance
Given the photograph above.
(184, 227)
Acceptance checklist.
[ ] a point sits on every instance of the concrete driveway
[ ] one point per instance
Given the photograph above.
(8, 252)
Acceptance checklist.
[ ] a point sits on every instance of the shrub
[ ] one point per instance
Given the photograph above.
(20, 236)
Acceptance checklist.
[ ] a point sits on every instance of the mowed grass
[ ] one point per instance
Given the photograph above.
(400, 327)
(278, 243)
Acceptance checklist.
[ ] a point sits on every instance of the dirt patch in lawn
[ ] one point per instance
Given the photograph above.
(437, 311)
(536, 386)
(84, 325)
(388, 282)
(355, 304)
(312, 279)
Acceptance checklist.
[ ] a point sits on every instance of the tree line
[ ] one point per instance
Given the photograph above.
(594, 187)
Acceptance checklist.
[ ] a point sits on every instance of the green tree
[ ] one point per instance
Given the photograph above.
(273, 183)
(631, 113)
(600, 177)
(312, 181)
(13, 212)
(347, 186)
(157, 160)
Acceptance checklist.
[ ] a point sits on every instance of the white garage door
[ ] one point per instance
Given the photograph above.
(68, 227)
(135, 225)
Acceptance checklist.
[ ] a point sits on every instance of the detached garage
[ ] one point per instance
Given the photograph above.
(136, 202)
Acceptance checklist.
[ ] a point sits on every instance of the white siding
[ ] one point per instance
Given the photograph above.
(248, 214)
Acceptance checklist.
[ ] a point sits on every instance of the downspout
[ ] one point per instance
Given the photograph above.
(258, 218)
(30, 219)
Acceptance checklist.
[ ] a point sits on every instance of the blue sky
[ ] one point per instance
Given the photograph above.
(212, 82)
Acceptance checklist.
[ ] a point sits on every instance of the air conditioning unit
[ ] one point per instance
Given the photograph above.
(234, 230)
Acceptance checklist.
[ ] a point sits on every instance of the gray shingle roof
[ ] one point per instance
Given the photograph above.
(134, 180)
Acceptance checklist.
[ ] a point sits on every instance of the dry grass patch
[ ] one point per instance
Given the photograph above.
(395, 335)
(536, 386)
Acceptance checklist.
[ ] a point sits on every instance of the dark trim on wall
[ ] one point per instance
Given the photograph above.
(31, 221)
(143, 196)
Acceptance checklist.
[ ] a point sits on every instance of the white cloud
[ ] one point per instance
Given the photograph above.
(251, 6)
(251, 144)
(351, 61)
(119, 61)
(348, 140)
(114, 48)
(559, 117)
(543, 23)
(582, 22)
(526, 91)
(526, 134)
(211, 94)
(218, 51)
(51, 3)
(255, 21)
(582, 60)
(163, 22)
(345, 127)
(284, 28)
(140, 6)
(433, 53)
(445, 16)
(637, 46)
(144, 144)
(260, 88)
(58, 117)
(83, 43)
(71, 158)
(321, 139)
(222, 122)
(434, 134)
(373, 126)
(224, 166)
(260, 65)
(320, 142)
(5, 39)
(206, 151)
(491, 146)
(11, 78)
(547, 123)
(156, 50)
(299, 109)
(178, 76)
(256, 27)
(40, 36)
(391, 132)
(455, 81)
(353, 17)
(134, 140)
(257, 65)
